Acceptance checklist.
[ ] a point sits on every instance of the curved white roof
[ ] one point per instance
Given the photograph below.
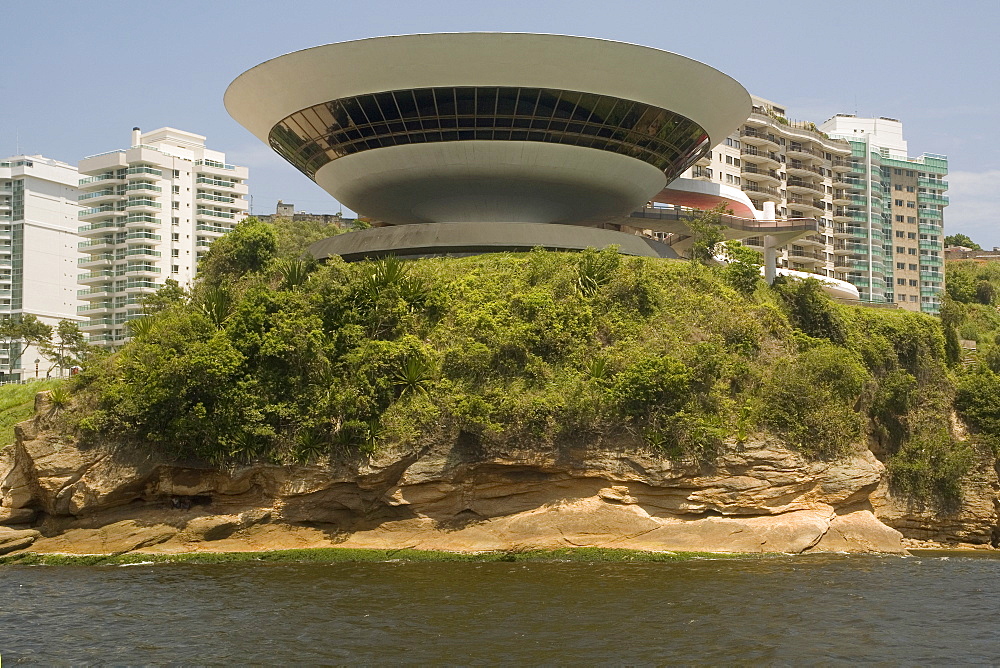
(269, 92)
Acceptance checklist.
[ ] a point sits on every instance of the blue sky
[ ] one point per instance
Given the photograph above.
(76, 76)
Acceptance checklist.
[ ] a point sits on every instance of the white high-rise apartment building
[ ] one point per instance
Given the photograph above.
(38, 251)
(880, 212)
(152, 210)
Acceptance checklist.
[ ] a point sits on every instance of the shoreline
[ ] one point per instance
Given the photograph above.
(332, 555)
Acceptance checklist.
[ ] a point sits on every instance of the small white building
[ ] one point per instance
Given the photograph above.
(38, 251)
(151, 211)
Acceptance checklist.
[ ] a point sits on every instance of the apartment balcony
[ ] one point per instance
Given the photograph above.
(141, 287)
(6, 263)
(101, 229)
(842, 165)
(931, 261)
(104, 260)
(141, 271)
(140, 254)
(96, 325)
(796, 168)
(214, 168)
(841, 197)
(133, 238)
(815, 240)
(930, 198)
(95, 277)
(928, 228)
(98, 212)
(759, 156)
(762, 192)
(931, 245)
(935, 276)
(96, 293)
(143, 188)
(142, 172)
(755, 137)
(930, 214)
(214, 231)
(238, 188)
(97, 308)
(202, 242)
(101, 181)
(807, 205)
(702, 173)
(797, 185)
(802, 152)
(934, 184)
(102, 196)
(211, 214)
(806, 255)
(142, 205)
(95, 245)
(765, 177)
(141, 222)
(212, 197)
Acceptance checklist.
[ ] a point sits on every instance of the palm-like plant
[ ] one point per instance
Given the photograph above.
(140, 328)
(217, 304)
(292, 272)
(415, 376)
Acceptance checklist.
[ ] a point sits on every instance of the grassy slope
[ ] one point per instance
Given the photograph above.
(17, 403)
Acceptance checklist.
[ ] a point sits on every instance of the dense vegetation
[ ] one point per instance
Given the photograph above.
(273, 357)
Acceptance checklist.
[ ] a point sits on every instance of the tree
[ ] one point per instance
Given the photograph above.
(743, 270)
(961, 240)
(68, 347)
(707, 232)
(249, 248)
(19, 332)
(171, 294)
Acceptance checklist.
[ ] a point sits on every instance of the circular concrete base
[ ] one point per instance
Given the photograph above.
(459, 239)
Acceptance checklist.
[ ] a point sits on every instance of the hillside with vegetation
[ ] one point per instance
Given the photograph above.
(275, 358)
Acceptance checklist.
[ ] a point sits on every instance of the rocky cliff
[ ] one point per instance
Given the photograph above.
(60, 496)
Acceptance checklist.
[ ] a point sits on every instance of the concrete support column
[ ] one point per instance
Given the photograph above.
(770, 258)
(770, 247)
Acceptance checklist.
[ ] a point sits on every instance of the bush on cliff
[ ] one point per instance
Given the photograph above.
(281, 362)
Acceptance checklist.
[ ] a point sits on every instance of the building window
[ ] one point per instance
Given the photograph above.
(910, 189)
(177, 173)
(913, 267)
(899, 219)
(911, 235)
(900, 265)
(175, 205)
(900, 298)
(898, 202)
(175, 252)
(911, 219)
(911, 205)
(911, 251)
(900, 281)
(177, 190)
(176, 236)
(900, 233)
(174, 268)
(900, 249)
(913, 283)
(175, 221)
(913, 298)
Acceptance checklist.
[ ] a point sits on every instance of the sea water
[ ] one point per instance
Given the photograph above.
(933, 608)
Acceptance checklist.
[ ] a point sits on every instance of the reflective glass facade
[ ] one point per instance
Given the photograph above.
(312, 137)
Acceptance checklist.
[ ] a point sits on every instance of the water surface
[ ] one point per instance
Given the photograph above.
(820, 609)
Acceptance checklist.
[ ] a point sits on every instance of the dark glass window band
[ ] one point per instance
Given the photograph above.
(315, 136)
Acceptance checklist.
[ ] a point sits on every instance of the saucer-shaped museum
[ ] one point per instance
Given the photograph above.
(489, 134)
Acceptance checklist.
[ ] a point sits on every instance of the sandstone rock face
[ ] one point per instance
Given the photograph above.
(761, 497)
(974, 521)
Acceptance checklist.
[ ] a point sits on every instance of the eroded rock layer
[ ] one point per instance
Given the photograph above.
(58, 496)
